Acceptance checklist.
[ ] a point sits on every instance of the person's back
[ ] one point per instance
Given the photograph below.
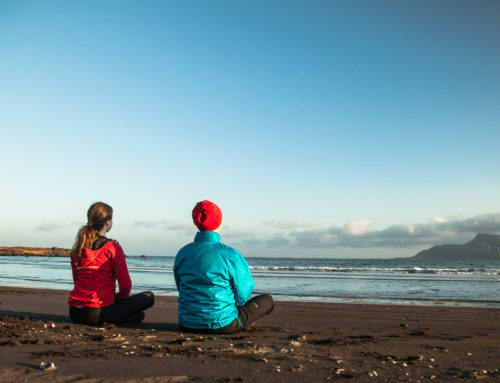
(214, 281)
(97, 264)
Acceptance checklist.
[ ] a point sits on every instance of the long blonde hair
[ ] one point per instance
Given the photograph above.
(97, 215)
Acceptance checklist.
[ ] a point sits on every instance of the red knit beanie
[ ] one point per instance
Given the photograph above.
(207, 216)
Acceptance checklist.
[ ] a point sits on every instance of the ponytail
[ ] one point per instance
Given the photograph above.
(97, 216)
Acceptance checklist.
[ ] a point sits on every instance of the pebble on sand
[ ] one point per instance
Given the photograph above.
(47, 366)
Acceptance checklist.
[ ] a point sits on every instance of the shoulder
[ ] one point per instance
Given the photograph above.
(229, 252)
(113, 247)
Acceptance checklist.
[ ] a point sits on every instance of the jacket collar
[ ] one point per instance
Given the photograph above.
(210, 236)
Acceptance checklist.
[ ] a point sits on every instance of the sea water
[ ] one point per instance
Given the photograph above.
(403, 280)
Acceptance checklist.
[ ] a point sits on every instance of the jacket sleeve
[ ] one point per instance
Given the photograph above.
(121, 271)
(73, 270)
(241, 279)
(176, 275)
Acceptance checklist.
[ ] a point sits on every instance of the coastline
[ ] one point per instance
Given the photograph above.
(299, 341)
(23, 251)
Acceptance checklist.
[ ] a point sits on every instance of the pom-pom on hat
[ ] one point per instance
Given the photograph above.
(207, 216)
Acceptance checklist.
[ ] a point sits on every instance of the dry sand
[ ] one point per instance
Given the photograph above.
(298, 342)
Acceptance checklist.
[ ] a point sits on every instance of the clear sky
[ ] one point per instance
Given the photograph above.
(321, 128)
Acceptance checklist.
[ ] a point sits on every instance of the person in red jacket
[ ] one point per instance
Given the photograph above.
(97, 263)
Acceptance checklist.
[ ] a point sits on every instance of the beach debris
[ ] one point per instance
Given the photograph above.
(404, 325)
(415, 358)
(53, 325)
(432, 360)
(469, 354)
(432, 377)
(47, 366)
(338, 371)
(295, 343)
(404, 364)
(262, 360)
(372, 373)
(277, 368)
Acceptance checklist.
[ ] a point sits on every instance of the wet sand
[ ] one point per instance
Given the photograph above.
(298, 342)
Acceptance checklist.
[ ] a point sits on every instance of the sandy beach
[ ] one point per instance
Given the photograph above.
(298, 342)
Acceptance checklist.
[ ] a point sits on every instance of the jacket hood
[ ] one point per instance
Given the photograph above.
(88, 256)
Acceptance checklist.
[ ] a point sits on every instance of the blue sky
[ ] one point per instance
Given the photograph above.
(321, 128)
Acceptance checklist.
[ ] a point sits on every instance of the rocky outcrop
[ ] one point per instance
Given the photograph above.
(34, 251)
(484, 246)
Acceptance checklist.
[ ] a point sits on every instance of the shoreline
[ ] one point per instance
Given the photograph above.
(299, 341)
(334, 299)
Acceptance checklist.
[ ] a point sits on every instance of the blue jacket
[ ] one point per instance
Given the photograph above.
(213, 280)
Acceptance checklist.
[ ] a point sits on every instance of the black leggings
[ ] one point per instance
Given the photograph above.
(120, 312)
(254, 309)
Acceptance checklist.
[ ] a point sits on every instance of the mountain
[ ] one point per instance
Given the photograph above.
(34, 251)
(484, 246)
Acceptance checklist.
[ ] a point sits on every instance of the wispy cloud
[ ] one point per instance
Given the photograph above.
(164, 224)
(50, 226)
(284, 224)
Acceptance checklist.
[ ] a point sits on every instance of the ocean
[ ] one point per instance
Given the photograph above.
(396, 281)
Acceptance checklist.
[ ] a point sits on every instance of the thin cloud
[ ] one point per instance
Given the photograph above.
(164, 225)
(284, 224)
(50, 226)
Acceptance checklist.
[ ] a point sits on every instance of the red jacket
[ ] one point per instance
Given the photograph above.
(95, 275)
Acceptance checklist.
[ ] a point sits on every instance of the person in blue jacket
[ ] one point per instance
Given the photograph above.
(214, 281)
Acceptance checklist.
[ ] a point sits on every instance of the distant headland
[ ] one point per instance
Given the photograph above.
(34, 251)
(483, 246)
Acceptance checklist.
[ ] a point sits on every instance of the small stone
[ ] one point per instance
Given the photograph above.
(295, 343)
(52, 325)
(46, 366)
(262, 360)
(416, 358)
(277, 369)
(338, 371)
(404, 364)
(432, 377)
(469, 354)
(432, 360)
